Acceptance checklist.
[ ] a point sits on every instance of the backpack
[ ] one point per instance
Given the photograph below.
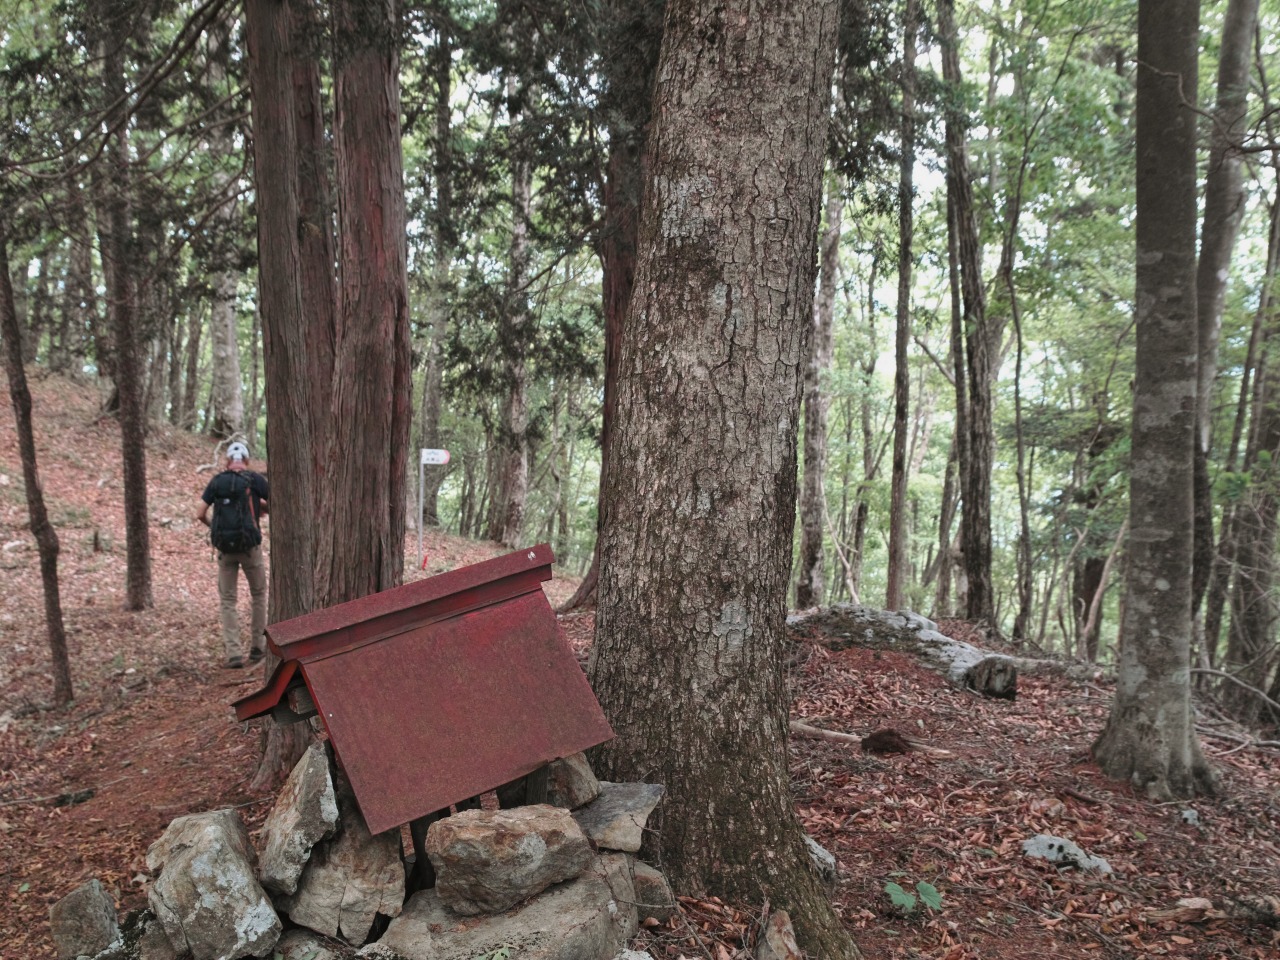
(233, 529)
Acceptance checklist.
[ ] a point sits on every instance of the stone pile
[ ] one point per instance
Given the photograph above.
(547, 881)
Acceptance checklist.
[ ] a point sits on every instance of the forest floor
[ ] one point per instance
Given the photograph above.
(85, 789)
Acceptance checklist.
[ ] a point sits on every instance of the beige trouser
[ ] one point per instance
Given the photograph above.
(255, 571)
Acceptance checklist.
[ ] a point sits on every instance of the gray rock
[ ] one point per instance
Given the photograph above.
(633, 955)
(153, 942)
(570, 921)
(299, 944)
(84, 921)
(349, 879)
(618, 871)
(206, 895)
(570, 782)
(653, 893)
(1063, 852)
(306, 812)
(825, 862)
(615, 820)
(487, 861)
(777, 939)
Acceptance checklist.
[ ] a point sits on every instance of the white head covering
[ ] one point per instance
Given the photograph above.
(238, 451)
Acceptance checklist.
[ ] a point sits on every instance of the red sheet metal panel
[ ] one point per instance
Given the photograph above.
(441, 689)
(441, 713)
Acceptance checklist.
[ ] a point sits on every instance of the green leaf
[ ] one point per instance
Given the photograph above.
(1139, 835)
(23, 888)
(901, 899)
(930, 895)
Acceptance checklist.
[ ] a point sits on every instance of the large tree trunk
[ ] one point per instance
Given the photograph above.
(902, 330)
(813, 505)
(980, 351)
(41, 528)
(1223, 210)
(1150, 734)
(118, 258)
(362, 510)
(286, 347)
(690, 648)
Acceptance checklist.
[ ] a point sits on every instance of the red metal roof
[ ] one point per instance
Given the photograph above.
(441, 689)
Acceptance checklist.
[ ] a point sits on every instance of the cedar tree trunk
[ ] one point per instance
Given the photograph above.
(362, 511)
(285, 348)
(118, 260)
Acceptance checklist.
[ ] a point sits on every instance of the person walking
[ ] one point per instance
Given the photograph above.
(238, 497)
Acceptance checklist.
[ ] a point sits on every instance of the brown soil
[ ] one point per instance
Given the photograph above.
(85, 789)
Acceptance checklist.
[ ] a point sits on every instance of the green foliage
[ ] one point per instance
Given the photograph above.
(906, 902)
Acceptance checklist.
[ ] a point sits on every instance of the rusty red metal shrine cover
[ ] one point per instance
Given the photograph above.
(441, 689)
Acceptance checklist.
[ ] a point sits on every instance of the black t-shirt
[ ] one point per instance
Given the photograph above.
(258, 491)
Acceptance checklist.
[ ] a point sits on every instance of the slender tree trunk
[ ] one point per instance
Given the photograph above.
(1224, 557)
(813, 506)
(38, 314)
(286, 347)
(195, 326)
(902, 371)
(41, 528)
(1223, 210)
(631, 34)
(975, 526)
(228, 400)
(506, 507)
(174, 388)
(1150, 735)
(1251, 646)
(362, 515)
(118, 256)
(690, 646)
(443, 230)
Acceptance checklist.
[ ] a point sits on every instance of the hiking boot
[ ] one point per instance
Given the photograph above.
(234, 663)
(256, 655)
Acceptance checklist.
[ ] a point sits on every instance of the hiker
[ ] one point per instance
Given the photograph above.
(238, 497)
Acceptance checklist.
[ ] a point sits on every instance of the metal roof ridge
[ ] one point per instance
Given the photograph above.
(406, 596)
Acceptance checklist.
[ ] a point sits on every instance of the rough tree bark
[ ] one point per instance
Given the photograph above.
(700, 506)
(813, 506)
(362, 510)
(285, 347)
(41, 528)
(118, 258)
(316, 244)
(975, 477)
(902, 332)
(1150, 735)
(1223, 210)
